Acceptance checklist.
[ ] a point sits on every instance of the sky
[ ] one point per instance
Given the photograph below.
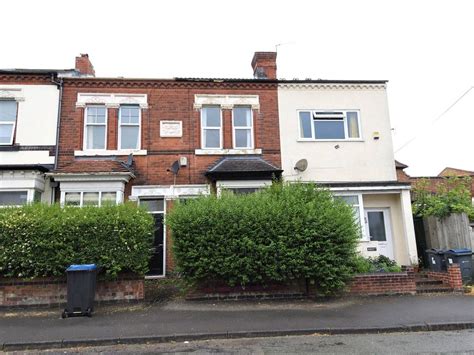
(424, 48)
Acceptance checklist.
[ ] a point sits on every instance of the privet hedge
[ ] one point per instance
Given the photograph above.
(40, 240)
(285, 232)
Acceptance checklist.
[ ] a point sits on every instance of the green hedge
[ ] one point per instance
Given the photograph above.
(41, 240)
(285, 232)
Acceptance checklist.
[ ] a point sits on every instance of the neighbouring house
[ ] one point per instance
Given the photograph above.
(434, 181)
(29, 109)
(157, 140)
(337, 133)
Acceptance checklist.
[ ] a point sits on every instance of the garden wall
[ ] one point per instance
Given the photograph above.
(452, 277)
(390, 283)
(53, 291)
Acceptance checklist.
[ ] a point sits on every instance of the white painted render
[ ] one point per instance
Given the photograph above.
(367, 159)
(37, 114)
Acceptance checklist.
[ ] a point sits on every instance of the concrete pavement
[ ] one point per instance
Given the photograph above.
(183, 320)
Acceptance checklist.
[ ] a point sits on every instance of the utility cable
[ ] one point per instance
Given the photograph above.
(436, 119)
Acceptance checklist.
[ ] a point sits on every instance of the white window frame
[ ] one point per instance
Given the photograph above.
(120, 124)
(118, 199)
(203, 128)
(8, 123)
(234, 128)
(222, 185)
(95, 124)
(360, 204)
(346, 128)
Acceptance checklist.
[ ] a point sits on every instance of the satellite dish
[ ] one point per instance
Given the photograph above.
(175, 167)
(301, 165)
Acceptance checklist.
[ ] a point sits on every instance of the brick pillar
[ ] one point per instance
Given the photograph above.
(227, 129)
(455, 277)
(112, 128)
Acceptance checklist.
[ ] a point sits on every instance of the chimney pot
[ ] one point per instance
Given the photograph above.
(84, 65)
(264, 65)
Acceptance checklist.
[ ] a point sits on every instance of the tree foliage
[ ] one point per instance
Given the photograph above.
(453, 195)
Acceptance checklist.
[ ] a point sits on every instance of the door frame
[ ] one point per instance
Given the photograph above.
(148, 277)
(388, 226)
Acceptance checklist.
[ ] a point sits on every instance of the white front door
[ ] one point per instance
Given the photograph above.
(379, 230)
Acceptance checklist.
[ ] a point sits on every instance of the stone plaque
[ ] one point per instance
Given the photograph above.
(171, 128)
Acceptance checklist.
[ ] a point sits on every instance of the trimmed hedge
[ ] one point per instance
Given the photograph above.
(40, 240)
(284, 232)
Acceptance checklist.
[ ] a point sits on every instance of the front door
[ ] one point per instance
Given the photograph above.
(379, 230)
(156, 207)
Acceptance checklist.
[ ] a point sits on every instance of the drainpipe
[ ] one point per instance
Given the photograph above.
(59, 84)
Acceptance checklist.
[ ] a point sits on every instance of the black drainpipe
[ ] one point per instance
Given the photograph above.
(59, 84)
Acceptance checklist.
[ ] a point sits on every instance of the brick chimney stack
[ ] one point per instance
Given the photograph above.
(264, 65)
(84, 65)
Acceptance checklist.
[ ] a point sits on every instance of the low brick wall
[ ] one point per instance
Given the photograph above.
(391, 283)
(294, 289)
(452, 277)
(53, 291)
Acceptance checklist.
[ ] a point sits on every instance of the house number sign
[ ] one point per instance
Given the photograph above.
(171, 128)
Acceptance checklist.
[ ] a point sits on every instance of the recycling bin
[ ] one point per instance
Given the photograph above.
(463, 257)
(436, 259)
(81, 282)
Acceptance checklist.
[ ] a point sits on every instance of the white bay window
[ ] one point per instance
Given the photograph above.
(90, 198)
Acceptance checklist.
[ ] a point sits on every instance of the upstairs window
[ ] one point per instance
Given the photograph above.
(211, 127)
(129, 127)
(8, 110)
(95, 135)
(242, 127)
(329, 125)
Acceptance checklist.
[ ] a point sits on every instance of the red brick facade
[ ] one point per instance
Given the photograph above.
(169, 100)
(452, 277)
(384, 283)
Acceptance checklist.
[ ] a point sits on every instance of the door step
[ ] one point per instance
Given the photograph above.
(433, 289)
(424, 284)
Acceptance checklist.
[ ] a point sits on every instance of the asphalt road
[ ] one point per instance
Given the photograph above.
(393, 343)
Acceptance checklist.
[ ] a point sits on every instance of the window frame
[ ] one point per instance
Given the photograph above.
(86, 124)
(346, 127)
(203, 128)
(251, 127)
(6, 123)
(364, 237)
(81, 198)
(28, 200)
(120, 124)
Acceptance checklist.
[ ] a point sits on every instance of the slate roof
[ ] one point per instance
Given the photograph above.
(94, 166)
(400, 165)
(239, 167)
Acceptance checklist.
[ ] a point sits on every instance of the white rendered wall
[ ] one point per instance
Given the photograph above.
(352, 161)
(36, 122)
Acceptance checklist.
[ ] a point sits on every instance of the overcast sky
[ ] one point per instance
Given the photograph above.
(424, 48)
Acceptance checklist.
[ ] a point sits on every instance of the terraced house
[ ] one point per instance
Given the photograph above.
(154, 141)
(157, 140)
(29, 111)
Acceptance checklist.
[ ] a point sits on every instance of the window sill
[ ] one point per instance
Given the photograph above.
(102, 153)
(227, 151)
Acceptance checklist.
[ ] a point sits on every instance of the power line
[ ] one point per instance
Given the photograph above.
(436, 119)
